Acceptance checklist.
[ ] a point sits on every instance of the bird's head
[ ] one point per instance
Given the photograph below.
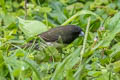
(76, 30)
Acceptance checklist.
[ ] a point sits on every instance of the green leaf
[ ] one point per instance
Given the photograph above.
(116, 66)
(94, 73)
(113, 25)
(8, 19)
(2, 3)
(31, 27)
(34, 67)
(69, 75)
(81, 13)
(3, 68)
(116, 51)
(57, 13)
(67, 63)
(19, 53)
(43, 9)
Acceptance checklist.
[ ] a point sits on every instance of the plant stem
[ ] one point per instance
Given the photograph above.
(10, 71)
(25, 9)
(85, 40)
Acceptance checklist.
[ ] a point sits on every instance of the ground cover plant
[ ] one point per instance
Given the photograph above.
(92, 57)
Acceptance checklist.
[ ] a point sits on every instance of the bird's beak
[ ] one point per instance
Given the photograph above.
(82, 33)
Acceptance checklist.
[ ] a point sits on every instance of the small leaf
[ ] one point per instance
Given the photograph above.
(43, 9)
(19, 53)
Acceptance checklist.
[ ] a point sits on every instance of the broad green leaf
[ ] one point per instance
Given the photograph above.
(31, 27)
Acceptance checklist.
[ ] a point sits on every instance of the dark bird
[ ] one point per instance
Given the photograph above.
(54, 37)
(66, 33)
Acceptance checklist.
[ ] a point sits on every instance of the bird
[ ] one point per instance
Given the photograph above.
(67, 34)
(57, 37)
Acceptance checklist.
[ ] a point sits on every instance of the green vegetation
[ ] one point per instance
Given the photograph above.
(94, 57)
